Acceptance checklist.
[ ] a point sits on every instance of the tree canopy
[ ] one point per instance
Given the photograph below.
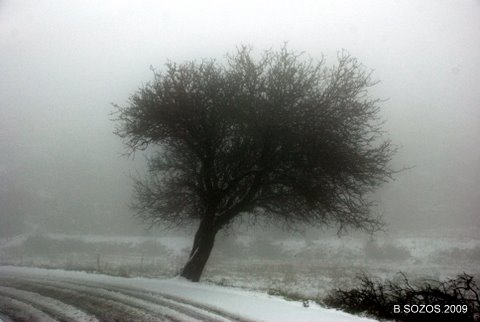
(281, 136)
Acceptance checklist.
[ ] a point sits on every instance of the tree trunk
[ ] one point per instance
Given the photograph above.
(201, 249)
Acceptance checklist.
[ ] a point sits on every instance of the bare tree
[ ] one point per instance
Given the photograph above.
(282, 136)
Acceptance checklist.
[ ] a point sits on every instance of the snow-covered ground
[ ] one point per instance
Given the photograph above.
(295, 268)
(57, 294)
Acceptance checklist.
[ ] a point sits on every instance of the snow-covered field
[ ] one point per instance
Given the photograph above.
(308, 268)
(298, 269)
(50, 295)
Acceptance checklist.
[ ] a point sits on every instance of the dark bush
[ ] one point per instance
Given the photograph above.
(378, 299)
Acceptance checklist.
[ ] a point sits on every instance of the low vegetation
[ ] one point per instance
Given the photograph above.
(141, 258)
(297, 270)
(454, 299)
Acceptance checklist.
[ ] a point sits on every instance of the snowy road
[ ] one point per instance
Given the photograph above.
(48, 299)
(29, 294)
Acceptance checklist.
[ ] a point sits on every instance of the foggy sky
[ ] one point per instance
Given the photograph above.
(62, 64)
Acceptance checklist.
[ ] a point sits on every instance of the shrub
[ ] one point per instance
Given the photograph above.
(376, 298)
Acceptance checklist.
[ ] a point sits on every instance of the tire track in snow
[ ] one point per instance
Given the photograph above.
(4, 318)
(14, 310)
(178, 303)
(143, 305)
(104, 309)
(159, 300)
(53, 307)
